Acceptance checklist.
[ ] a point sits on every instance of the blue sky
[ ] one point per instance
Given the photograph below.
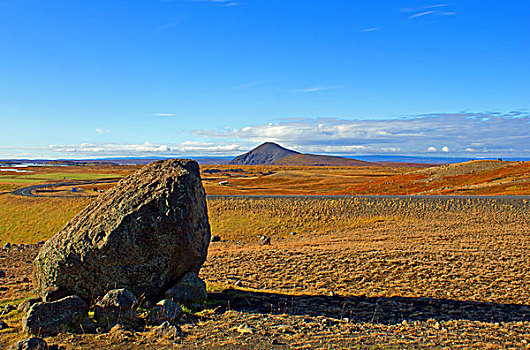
(84, 79)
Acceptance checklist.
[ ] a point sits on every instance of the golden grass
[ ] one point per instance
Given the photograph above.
(27, 220)
(243, 219)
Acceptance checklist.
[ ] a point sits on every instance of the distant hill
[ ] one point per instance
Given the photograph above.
(318, 160)
(266, 154)
(271, 153)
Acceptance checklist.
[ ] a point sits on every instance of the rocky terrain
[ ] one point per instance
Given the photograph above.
(404, 273)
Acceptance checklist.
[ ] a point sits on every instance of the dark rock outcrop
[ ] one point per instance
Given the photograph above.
(143, 235)
(64, 315)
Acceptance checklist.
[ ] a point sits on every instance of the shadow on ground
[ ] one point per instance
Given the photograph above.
(385, 310)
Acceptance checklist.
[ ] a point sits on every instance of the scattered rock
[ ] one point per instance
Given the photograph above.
(64, 315)
(143, 234)
(216, 238)
(264, 240)
(117, 306)
(166, 331)
(165, 310)
(32, 343)
(26, 304)
(190, 288)
(7, 246)
(3, 325)
(40, 242)
(2, 274)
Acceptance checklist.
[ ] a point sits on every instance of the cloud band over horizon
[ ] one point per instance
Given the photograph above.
(459, 135)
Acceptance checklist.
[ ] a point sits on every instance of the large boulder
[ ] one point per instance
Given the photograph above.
(64, 315)
(143, 235)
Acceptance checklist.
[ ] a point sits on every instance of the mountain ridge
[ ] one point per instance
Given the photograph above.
(270, 153)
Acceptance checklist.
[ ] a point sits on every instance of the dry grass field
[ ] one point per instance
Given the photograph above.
(358, 273)
(340, 273)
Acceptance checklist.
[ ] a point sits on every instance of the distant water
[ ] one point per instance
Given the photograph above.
(16, 170)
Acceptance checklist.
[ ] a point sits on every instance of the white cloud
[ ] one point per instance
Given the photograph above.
(435, 6)
(320, 88)
(187, 148)
(368, 30)
(455, 133)
(99, 130)
(164, 115)
(421, 14)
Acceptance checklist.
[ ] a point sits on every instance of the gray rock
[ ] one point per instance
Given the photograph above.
(165, 310)
(190, 288)
(7, 246)
(167, 331)
(26, 304)
(264, 240)
(118, 306)
(32, 343)
(144, 235)
(216, 238)
(64, 315)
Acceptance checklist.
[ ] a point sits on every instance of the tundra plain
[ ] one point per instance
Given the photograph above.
(360, 273)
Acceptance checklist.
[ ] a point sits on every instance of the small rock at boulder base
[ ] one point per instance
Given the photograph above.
(165, 310)
(216, 238)
(118, 306)
(190, 288)
(65, 315)
(32, 343)
(144, 234)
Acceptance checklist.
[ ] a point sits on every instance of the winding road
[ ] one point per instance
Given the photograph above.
(28, 191)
